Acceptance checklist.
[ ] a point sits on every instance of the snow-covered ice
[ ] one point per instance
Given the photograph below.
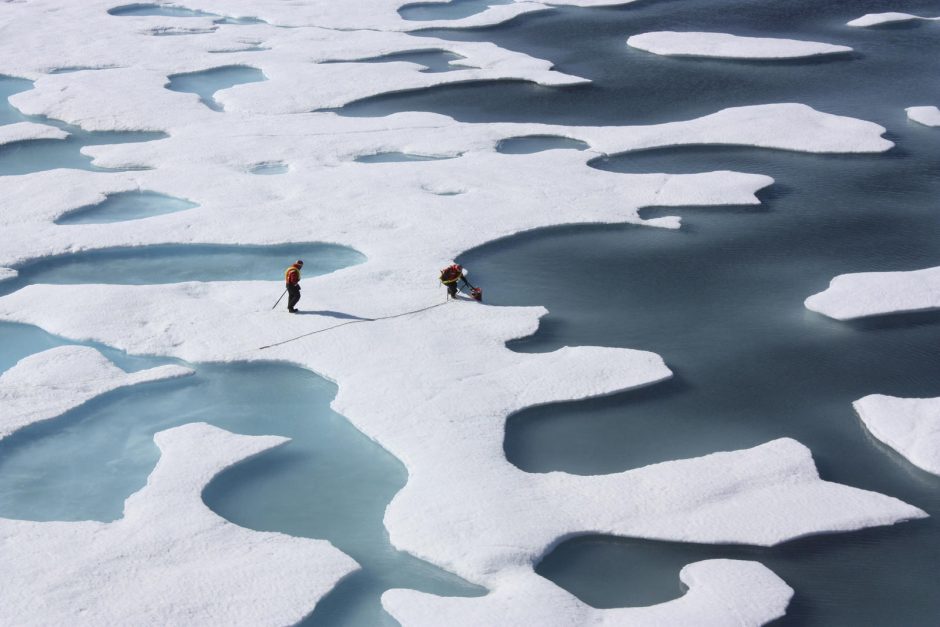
(720, 592)
(891, 17)
(726, 46)
(170, 559)
(48, 384)
(24, 131)
(911, 426)
(876, 293)
(927, 115)
(397, 377)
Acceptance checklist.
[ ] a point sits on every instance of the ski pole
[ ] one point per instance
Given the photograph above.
(279, 299)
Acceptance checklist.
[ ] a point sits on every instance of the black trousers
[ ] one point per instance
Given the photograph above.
(293, 295)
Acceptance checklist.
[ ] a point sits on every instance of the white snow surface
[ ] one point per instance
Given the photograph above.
(23, 131)
(911, 426)
(928, 116)
(170, 560)
(726, 46)
(876, 293)
(891, 17)
(720, 592)
(465, 507)
(48, 384)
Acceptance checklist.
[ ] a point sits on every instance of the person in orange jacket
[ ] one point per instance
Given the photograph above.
(292, 279)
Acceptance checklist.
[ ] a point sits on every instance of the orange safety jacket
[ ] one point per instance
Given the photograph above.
(292, 275)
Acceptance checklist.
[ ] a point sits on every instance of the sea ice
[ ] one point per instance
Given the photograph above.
(170, 559)
(928, 116)
(911, 426)
(892, 17)
(725, 46)
(25, 131)
(46, 385)
(875, 293)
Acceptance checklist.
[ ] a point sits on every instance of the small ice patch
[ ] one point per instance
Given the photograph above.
(876, 293)
(725, 46)
(126, 206)
(25, 131)
(911, 426)
(928, 116)
(884, 19)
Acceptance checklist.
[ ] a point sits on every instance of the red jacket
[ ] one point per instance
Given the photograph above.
(292, 275)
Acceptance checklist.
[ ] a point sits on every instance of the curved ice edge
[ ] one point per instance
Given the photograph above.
(890, 17)
(865, 294)
(45, 385)
(29, 131)
(719, 592)
(910, 426)
(116, 572)
(727, 46)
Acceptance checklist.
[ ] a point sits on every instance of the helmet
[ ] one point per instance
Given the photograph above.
(299, 262)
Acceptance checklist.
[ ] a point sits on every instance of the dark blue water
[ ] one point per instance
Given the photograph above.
(126, 206)
(207, 82)
(721, 299)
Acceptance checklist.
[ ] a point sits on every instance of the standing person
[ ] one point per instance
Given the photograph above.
(451, 275)
(292, 279)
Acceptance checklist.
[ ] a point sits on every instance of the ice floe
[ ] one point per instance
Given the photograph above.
(876, 293)
(720, 592)
(24, 131)
(46, 385)
(928, 116)
(170, 559)
(725, 46)
(891, 17)
(911, 426)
